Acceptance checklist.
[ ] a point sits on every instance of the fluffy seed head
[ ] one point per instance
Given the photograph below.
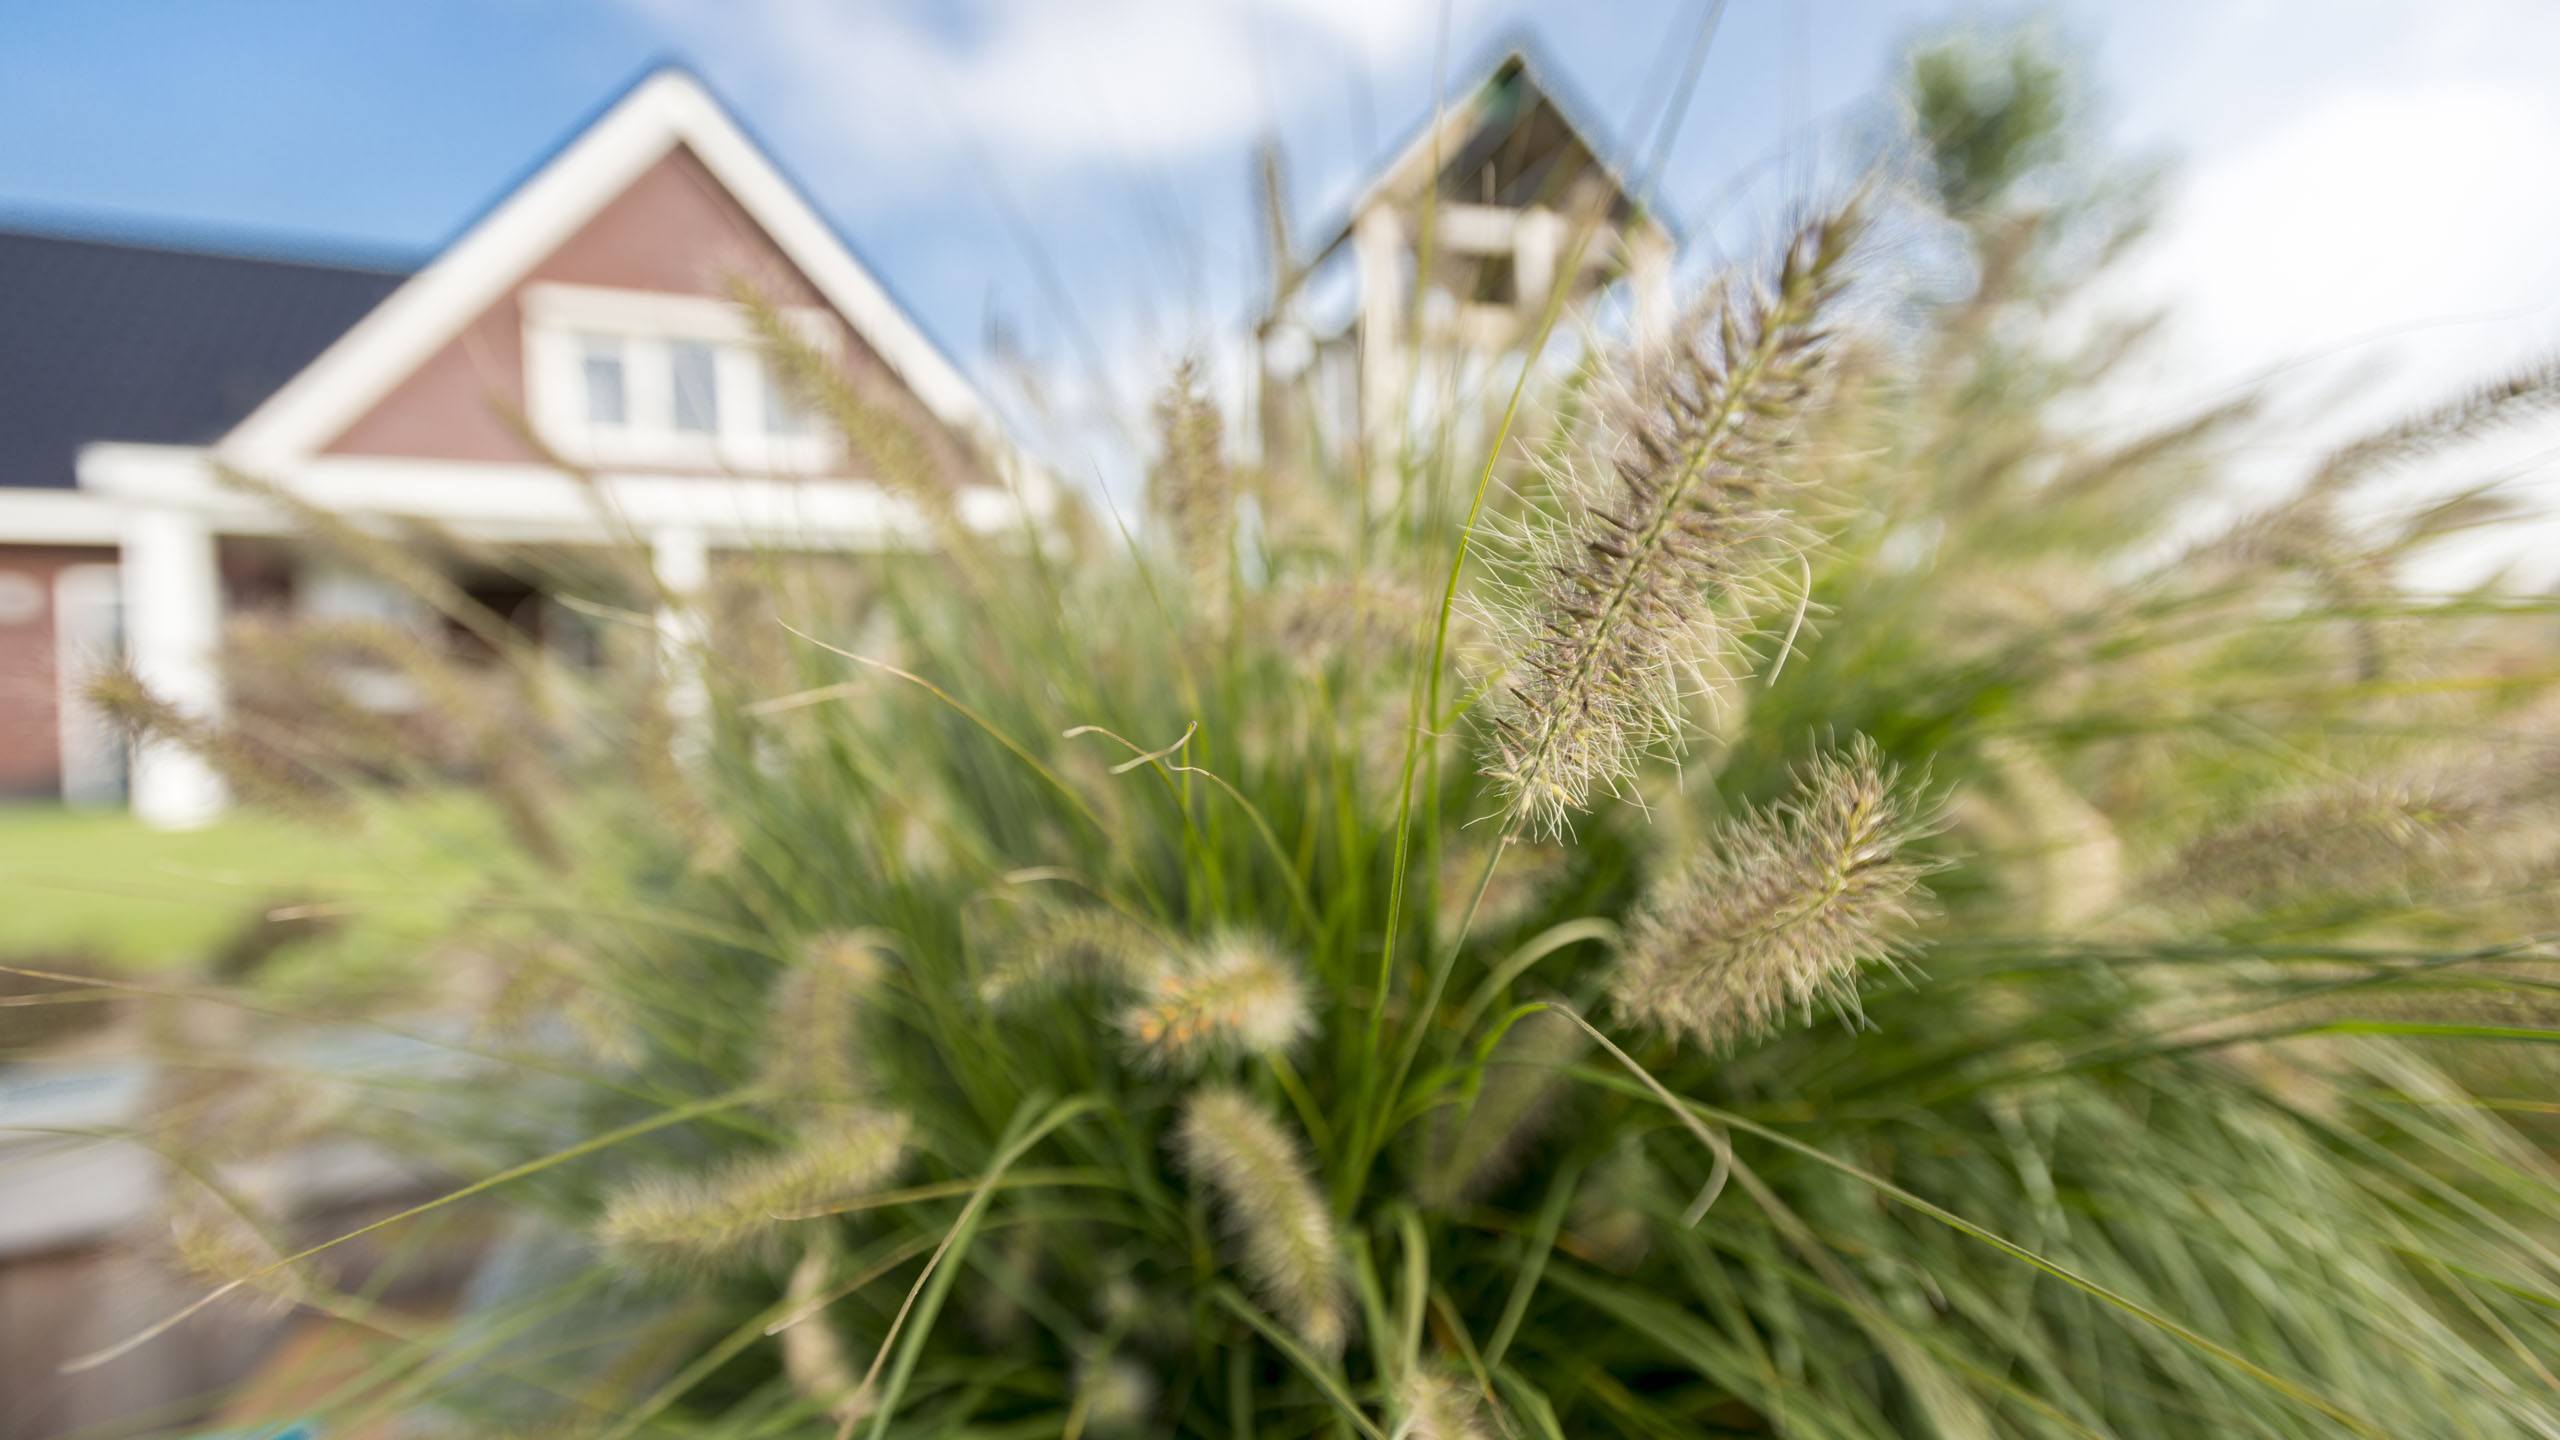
(1271, 1205)
(1043, 950)
(2364, 835)
(603, 1022)
(1190, 485)
(736, 1215)
(1638, 589)
(220, 1245)
(1356, 619)
(811, 1020)
(2521, 394)
(1783, 910)
(1234, 996)
(251, 769)
(1608, 1218)
(1432, 1406)
(813, 1354)
(1528, 876)
(1116, 1395)
(892, 446)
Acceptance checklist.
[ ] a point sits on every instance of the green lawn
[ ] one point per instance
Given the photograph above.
(97, 887)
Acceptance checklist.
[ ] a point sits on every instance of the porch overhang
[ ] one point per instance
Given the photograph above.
(164, 508)
(531, 503)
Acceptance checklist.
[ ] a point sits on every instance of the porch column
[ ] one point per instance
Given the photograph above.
(682, 559)
(1537, 245)
(1377, 245)
(1649, 261)
(172, 620)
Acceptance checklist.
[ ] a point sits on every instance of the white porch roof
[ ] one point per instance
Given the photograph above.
(503, 503)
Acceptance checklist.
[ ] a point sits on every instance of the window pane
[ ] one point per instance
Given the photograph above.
(783, 415)
(601, 360)
(697, 406)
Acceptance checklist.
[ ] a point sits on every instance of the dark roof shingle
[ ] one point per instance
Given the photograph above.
(104, 340)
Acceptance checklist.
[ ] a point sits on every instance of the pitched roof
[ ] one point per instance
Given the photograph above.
(1519, 120)
(268, 357)
(667, 109)
(108, 340)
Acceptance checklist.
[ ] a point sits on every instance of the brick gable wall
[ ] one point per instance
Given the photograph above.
(675, 230)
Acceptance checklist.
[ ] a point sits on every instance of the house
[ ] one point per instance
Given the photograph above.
(572, 370)
(1451, 256)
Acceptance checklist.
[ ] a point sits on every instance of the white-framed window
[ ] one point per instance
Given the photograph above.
(607, 387)
(694, 382)
(630, 377)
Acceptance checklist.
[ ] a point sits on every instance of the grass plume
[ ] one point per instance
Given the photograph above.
(1235, 996)
(1042, 949)
(1259, 1176)
(814, 1020)
(2524, 393)
(1190, 485)
(2219, 1109)
(737, 1215)
(1639, 588)
(1436, 1407)
(813, 1353)
(1783, 910)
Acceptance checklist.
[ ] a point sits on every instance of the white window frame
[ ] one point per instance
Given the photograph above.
(558, 319)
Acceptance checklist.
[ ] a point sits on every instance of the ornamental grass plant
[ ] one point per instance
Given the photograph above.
(1793, 891)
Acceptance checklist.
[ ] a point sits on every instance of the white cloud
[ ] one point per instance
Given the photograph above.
(2376, 233)
(1376, 29)
(2411, 217)
(1044, 86)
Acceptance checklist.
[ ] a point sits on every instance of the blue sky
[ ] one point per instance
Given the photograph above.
(1080, 168)
(1118, 131)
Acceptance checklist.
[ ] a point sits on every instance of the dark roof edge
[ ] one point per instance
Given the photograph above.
(187, 238)
(163, 236)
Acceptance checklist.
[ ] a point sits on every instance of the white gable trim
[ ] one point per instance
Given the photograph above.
(668, 109)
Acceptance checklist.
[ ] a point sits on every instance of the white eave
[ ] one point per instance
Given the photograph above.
(530, 503)
(57, 517)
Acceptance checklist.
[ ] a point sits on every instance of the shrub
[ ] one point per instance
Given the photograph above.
(2072, 980)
